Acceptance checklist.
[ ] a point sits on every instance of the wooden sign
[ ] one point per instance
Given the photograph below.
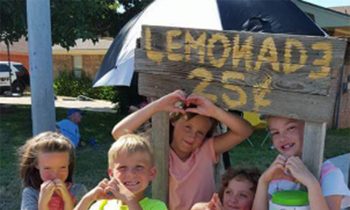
(278, 74)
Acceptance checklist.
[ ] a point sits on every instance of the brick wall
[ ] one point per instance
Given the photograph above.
(91, 64)
(62, 63)
(16, 57)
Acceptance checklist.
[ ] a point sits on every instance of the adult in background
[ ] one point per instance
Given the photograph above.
(69, 127)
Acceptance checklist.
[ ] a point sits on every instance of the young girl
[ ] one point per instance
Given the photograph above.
(193, 150)
(46, 169)
(287, 172)
(237, 191)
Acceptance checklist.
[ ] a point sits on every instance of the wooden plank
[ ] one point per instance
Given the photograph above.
(313, 147)
(182, 43)
(277, 74)
(347, 55)
(160, 142)
(299, 106)
(296, 82)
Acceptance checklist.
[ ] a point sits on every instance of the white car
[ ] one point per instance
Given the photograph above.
(13, 76)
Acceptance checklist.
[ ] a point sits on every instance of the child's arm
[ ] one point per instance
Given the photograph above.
(299, 171)
(261, 199)
(95, 194)
(133, 121)
(239, 129)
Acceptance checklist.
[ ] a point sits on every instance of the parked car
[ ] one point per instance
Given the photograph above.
(13, 76)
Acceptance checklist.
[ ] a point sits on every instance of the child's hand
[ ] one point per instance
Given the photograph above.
(120, 191)
(299, 171)
(63, 192)
(99, 192)
(276, 170)
(47, 189)
(172, 101)
(215, 203)
(203, 105)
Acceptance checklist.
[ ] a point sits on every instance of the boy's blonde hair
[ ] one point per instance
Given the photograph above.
(129, 143)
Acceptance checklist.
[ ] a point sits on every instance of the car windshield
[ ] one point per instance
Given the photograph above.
(4, 68)
(20, 68)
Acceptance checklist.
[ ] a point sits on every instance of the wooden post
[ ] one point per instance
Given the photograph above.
(160, 142)
(313, 147)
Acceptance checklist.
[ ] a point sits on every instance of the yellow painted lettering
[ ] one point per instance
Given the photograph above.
(268, 47)
(152, 55)
(288, 67)
(242, 96)
(171, 45)
(225, 52)
(198, 44)
(324, 62)
(242, 51)
(206, 77)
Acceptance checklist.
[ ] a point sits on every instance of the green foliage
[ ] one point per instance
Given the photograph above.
(13, 20)
(66, 84)
(70, 20)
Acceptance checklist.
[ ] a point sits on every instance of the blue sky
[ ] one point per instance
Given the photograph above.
(330, 3)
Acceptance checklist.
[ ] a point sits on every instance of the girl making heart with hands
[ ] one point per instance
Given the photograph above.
(46, 168)
(288, 172)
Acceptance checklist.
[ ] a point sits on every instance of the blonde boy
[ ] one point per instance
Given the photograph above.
(130, 168)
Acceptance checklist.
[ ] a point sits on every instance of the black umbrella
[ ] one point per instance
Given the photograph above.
(273, 16)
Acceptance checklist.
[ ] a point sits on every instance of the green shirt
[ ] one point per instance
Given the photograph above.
(146, 204)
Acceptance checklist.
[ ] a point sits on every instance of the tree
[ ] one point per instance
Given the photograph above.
(71, 19)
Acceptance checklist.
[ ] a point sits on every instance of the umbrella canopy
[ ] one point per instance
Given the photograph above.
(273, 16)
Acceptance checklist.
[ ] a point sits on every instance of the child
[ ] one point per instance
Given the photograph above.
(193, 150)
(131, 168)
(236, 192)
(46, 168)
(287, 171)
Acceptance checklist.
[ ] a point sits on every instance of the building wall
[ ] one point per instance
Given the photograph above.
(16, 57)
(91, 64)
(62, 63)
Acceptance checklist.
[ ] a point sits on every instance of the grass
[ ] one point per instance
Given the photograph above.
(15, 128)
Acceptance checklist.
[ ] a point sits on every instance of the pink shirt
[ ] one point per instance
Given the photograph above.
(192, 181)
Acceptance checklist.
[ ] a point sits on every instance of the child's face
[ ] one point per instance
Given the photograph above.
(238, 195)
(189, 134)
(287, 135)
(133, 170)
(53, 165)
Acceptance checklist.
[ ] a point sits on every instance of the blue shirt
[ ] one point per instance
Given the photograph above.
(70, 130)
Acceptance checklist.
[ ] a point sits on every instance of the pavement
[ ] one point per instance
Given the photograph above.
(65, 102)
